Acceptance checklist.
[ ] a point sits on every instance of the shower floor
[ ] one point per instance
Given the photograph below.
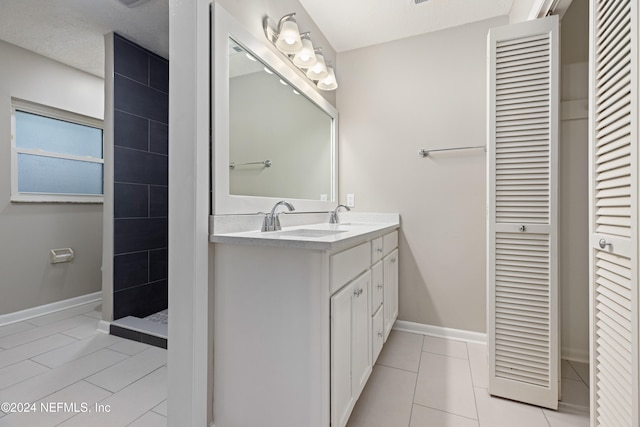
(151, 329)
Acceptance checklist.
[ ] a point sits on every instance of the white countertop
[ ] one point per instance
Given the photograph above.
(319, 236)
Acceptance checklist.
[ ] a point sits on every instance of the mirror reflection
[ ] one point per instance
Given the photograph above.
(280, 143)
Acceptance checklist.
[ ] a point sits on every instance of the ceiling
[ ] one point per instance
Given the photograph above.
(71, 31)
(352, 24)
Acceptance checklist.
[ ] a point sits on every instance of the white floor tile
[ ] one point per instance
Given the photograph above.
(76, 350)
(575, 393)
(20, 371)
(20, 338)
(444, 383)
(497, 412)
(161, 408)
(130, 370)
(64, 314)
(58, 378)
(83, 331)
(150, 419)
(427, 417)
(445, 347)
(479, 364)
(78, 394)
(128, 404)
(402, 350)
(582, 369)
(34, 348)
(386, 400)
(14, 328)
(566, 419)
(568, 372)
(129, 347)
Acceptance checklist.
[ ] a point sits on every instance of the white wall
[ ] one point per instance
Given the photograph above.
(28, 231)
(395, 98)
(574, 201)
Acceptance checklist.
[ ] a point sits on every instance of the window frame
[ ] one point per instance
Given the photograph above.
(57, 114)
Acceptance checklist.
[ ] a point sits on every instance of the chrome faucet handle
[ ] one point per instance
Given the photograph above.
(334, 215)
(271, 221)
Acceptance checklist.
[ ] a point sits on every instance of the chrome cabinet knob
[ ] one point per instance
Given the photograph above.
(603, 244)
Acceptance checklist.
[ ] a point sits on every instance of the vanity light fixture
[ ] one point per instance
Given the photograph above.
(306, 57)
(319, 70)
(298, 48)
(329, 82)
(288, 41)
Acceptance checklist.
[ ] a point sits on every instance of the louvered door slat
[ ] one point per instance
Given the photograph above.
(522, 164)
(613, 186)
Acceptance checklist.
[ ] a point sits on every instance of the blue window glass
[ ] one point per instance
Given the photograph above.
(40, 174)
(57, 136)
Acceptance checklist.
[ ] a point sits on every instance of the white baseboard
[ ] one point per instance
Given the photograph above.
(104, 327)
(575, 354)
(440, 332)
(30, 313)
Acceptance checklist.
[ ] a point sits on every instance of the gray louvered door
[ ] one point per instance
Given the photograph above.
(522, 212)
(614, 212)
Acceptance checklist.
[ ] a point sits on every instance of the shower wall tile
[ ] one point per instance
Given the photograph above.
(141, 106)
(159, 138)
(133, 200)
(130, 270)
(140, 167)
(159, 206)
(126, 302)
(130, 60)
(140, 100)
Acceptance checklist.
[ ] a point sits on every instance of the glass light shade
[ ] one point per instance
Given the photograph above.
(329, 82)
(288, 40)
(319, 70)
(306, 57)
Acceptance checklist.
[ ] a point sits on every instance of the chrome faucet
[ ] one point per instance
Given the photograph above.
(271, 221)
(334, 214)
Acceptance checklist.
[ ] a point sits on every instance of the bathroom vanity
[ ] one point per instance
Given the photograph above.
(300, 317)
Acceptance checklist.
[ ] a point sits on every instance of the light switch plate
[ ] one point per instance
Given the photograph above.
(351, 200)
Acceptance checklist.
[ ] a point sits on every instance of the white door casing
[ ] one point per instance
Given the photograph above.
(522, 156)
(613, 212)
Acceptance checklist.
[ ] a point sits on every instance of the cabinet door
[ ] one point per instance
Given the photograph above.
(341, 337)
(361, 333)
(377, 334)
(390, 303)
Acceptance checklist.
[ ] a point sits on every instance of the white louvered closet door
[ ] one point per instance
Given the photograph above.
(523, 337)
(614, 212)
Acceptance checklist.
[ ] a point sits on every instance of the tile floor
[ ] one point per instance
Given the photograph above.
(60, 359)
(421, 381)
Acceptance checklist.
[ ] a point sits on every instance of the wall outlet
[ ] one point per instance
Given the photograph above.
(351, 200)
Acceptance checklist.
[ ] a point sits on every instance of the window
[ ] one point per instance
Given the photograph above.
(57, 156)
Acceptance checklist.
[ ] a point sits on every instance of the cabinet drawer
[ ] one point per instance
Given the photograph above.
(377, 334)
(377, 286)
(389, 242)
(376, 249)
(346, 265)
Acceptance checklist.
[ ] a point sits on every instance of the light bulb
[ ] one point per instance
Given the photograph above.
(288, 40)
(319, 70)
(329, 82)
(306, 57)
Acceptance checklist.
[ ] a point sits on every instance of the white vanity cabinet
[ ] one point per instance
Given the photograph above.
(350, 355)
(298, 324)
(363, 310)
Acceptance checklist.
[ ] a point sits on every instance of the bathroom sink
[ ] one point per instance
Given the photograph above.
(306, 232)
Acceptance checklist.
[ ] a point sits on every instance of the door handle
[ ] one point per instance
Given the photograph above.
(603, 244)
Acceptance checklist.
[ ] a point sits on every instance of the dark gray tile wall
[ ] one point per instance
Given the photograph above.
(141, 117)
